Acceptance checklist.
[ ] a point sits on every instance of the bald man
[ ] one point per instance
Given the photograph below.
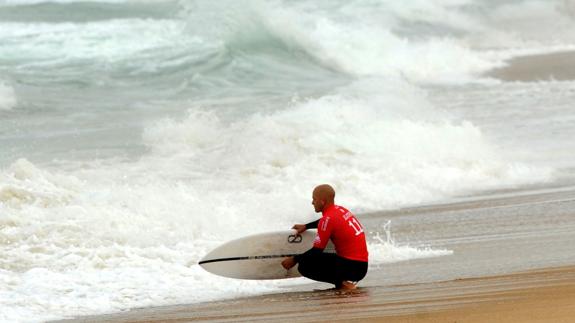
(349, 265)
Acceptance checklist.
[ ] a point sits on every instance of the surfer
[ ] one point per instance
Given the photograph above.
(349, 265)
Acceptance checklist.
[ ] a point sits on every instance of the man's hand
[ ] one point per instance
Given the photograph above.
(288, 262)
(299, 228)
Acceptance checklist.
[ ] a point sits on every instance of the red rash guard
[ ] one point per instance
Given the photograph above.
(341, 226)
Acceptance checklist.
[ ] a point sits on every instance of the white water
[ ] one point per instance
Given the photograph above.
(73, 247)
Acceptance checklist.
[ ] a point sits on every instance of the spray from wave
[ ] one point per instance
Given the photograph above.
(388, 251)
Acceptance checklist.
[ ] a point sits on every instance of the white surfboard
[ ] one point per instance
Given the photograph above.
(259, 256)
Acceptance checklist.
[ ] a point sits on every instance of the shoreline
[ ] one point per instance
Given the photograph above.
(558, 66)
(534, 296)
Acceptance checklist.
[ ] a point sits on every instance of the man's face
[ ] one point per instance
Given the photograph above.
(317, 202)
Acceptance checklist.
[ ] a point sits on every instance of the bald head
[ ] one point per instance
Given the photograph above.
(323, 196)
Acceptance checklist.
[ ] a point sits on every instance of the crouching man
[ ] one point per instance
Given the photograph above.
(349, 265)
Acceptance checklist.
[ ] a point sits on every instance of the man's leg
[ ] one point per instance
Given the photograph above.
(320, 267)
(349, 272)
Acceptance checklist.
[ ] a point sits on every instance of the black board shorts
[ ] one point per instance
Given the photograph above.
(330, 268)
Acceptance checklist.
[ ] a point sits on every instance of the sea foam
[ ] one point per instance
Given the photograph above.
(98, 248)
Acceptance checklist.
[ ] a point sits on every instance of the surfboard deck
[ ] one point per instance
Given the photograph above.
(259, 256)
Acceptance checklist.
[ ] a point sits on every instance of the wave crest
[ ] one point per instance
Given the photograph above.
(380, 142)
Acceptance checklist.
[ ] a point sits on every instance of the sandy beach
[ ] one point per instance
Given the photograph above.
(556, 66)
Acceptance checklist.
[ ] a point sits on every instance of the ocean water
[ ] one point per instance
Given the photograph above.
(137, 135)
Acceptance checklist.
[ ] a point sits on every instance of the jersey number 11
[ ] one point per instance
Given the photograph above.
(356, 226)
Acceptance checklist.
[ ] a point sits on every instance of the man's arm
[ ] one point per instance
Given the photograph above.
(302, 227)
(318, 246)
(320, 242)
(312, 225)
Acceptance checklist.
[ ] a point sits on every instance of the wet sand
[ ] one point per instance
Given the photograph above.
(540, 296)
(513, 261)
(556, 66)
(537, 296)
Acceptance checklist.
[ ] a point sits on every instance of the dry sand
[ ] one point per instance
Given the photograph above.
(544, 67)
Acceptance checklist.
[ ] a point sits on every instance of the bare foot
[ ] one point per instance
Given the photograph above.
(347, 285)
